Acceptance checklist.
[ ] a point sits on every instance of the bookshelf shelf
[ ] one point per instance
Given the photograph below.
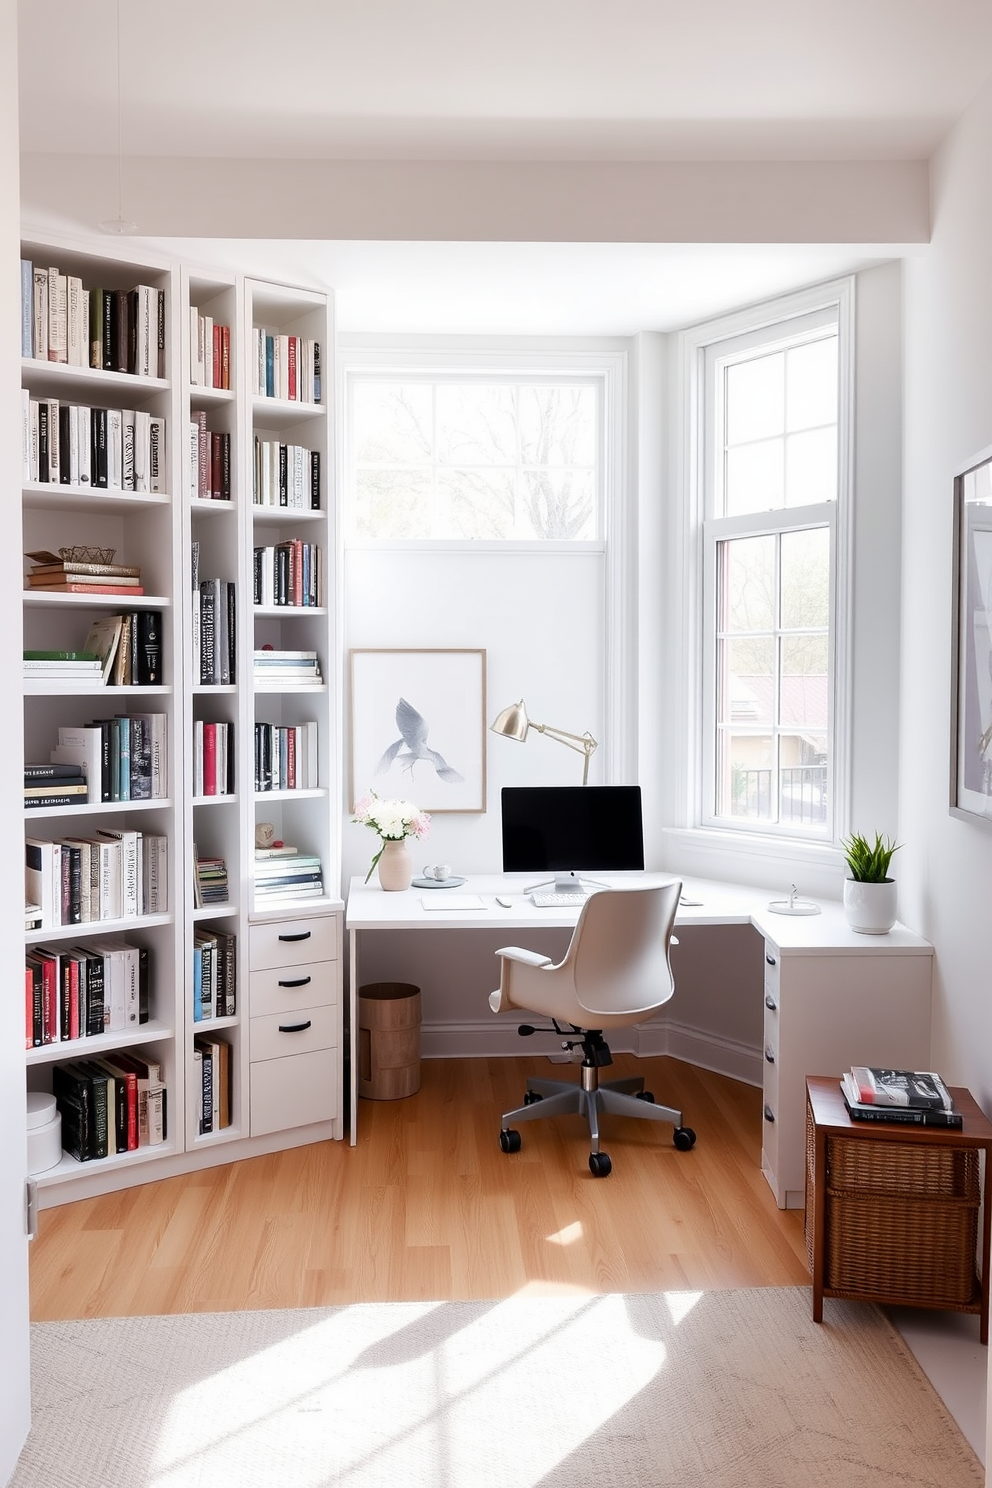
(273, 1097)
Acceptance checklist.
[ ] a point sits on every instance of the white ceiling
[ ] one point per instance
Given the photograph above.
(525, 80)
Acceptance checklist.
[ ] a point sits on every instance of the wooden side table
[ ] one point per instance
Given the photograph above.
(893, 1211)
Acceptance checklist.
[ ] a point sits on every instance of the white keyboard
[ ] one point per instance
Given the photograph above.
(553, 900)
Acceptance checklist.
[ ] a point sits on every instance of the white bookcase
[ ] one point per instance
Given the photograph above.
(285, 1078)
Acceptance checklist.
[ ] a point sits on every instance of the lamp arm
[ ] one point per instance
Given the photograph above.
(582, 743)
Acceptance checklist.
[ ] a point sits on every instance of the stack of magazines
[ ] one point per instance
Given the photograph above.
(916, 1097)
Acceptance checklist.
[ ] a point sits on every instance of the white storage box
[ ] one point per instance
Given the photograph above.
(44, 1132)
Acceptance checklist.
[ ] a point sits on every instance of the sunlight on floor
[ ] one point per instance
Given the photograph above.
(568, 1235)
(379, 1394)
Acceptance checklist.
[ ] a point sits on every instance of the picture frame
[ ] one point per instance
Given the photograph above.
(971, 650)
(418, 727)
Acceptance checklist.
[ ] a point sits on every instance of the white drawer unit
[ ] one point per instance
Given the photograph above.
(296, 1034)
(825, 1010)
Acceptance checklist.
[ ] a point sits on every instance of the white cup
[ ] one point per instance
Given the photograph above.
(440, 871)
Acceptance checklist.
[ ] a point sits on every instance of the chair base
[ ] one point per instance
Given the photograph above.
(564, 1098)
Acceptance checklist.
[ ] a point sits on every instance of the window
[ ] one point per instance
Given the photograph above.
(481, 457)
(772, 431)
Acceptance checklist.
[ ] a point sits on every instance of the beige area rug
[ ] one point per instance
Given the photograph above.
(723, 1389)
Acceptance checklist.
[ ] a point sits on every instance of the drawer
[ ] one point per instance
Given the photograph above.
(283, 989)
(292, 942)
(276, 1035)
(297, 1091)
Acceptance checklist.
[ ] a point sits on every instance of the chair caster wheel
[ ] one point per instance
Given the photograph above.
(646, 1095)
(509, 1140)
(684, 1138)
(531, 1096)
(600, 1165)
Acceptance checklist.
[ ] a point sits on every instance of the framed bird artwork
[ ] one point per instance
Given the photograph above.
(418, 727)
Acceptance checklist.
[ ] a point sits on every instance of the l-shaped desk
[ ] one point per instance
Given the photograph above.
(832, 997)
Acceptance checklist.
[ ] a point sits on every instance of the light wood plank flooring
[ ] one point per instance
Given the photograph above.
(428, 1207)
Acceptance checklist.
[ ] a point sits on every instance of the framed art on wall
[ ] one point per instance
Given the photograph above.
(971, 659)
(418, 727)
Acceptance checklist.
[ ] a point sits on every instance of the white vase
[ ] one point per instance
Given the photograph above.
(395, 866)
(870, 907)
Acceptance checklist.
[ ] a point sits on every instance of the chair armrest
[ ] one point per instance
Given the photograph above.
(529, 958)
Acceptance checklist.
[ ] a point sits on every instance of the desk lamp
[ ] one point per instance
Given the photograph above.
(513, 723)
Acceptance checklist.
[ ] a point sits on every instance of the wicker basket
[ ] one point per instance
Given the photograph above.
(919, 1250)
(902, 1168)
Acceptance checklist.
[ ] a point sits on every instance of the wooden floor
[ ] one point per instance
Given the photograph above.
(428, 1207)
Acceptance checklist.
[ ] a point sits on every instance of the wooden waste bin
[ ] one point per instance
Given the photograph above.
(388, 1040)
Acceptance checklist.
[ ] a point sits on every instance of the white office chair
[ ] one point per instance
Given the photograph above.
(616, 972)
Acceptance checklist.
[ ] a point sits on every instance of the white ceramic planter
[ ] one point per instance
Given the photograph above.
(870, 907)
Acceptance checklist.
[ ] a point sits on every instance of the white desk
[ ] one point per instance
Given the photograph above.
(832, 998)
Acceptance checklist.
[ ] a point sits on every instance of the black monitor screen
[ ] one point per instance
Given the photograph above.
(581, 827)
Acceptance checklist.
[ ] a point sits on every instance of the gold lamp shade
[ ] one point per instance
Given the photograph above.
(512, 723)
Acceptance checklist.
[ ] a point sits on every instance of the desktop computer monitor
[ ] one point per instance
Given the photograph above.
(570, 830)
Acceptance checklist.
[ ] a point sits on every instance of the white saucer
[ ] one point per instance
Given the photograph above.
(437, 883)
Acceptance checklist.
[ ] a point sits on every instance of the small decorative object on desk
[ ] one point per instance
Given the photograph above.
(394, 821)
(913, 1097)
(793, 905)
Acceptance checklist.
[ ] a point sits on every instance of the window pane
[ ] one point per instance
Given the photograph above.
(475, 504)
(392, 503)
(391, 422)
(747, 682)
(803, 797)
(756, 398)
(749, 584)
(805, 578)
(745, 777)
(557, 425)
(476, 424)
(811, 467)
(804, 682)
(557, 504)
(755, 478)
(811, 384)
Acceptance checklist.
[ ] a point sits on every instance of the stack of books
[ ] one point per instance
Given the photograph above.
(46, 786)
(209, 880)
(53, 573)
(282, 669)
(81, 668)
(285, 873)
(914, 1097)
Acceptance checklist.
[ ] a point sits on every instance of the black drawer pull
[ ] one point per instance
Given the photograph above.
(768, 1114)
(769, 1056)
(299, 982)
(302, 935)
(295, 1027)
(770, 959)
(771, 1004)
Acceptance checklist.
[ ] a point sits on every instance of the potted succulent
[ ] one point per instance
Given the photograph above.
(869, 892)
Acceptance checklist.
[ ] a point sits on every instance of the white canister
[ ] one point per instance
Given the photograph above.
(44, 1132)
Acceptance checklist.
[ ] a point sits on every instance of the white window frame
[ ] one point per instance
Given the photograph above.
(706, 350)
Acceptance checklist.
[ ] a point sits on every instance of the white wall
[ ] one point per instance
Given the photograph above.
(945, 869)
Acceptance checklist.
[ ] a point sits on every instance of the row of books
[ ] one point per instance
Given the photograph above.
(46, 786)
(209, 880)
(288, 573)
(104, 449)
(913, 1097)
(286, 756)
(209, 461)
(214, 975)
(110, 1105)
(286, 873)
(273, 668)
(286, 366)
(118, 874)
(211, 1083)
(213, 758)
(124, 758)
(286, 475)
(114, 330)
(85, 991)
(119, 651)
(209, 351)
(214, 631)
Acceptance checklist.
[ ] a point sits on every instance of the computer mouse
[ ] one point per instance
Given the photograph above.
(506, 903)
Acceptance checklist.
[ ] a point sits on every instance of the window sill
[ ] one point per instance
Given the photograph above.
(817, 869)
